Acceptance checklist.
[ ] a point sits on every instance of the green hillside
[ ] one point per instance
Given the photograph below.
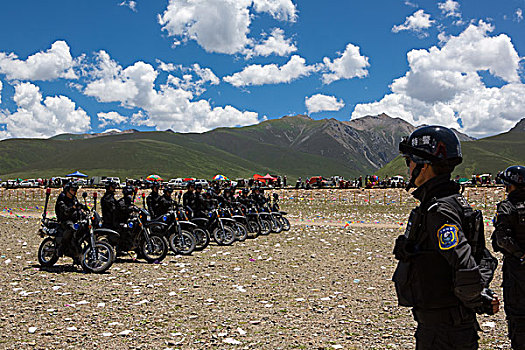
(488, 155)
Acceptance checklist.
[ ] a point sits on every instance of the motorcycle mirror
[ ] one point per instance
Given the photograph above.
(84, 195)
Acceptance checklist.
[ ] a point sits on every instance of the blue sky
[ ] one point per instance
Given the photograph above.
(193, 65)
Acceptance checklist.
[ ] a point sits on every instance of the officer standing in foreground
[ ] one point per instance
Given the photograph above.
(509, 238)
(444, 269)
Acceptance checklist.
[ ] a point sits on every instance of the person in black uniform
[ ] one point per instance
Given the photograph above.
(441, 274)
(109, 206)
(509, 238)
(67, 210)
(199, 206)
(188, 198)
(164, 203)
(125, 204)
(152, 199)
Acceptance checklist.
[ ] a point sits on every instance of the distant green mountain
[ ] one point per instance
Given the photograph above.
(488, 155)
(297, 146)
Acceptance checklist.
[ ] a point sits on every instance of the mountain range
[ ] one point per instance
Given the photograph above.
(292, 145)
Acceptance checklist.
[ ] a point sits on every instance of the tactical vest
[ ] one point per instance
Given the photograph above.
(423, 277)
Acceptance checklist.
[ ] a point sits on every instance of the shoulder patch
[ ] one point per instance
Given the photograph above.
(448, 236)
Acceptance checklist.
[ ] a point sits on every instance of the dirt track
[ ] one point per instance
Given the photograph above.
(320, 285)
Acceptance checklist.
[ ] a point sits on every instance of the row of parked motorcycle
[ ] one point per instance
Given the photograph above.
(148, 238)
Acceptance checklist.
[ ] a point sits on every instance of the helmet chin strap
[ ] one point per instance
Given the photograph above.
(415, 174)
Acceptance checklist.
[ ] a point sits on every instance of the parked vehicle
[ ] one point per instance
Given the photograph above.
(176, 183)
(203, 182)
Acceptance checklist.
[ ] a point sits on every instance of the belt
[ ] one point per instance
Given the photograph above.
(455, 316)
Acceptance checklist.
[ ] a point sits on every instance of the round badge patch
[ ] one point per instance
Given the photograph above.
(448, 236)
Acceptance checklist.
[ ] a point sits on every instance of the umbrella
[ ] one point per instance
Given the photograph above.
(220, 177)
(154, 177)
(268, 177)
(76, 174)
(188, 179)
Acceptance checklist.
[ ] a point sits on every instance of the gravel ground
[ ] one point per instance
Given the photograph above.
(319, 286)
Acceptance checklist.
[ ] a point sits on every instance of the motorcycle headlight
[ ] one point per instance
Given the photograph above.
(164, 218)
(76, 226)
(130, 224)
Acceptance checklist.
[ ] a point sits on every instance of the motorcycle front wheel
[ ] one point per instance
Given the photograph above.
(253, 227)
(241, 232)
(99, 259)
(183, 244)
(277, 227)
(266, 227)
(224, 236)
(157, 250)
(47, 252)
(203, 239)
(285, 223)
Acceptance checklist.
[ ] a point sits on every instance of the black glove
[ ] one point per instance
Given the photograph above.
(402, 248)
(487, 296)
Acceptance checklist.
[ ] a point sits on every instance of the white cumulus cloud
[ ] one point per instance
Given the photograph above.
(170, 106)
(110, 118)
(283, 10)
(443, 86)
(350, 64)
(54, 63)
(275, 43)
(38, 117)
(257, 74)
(450, 8)
(417, 22)
(221, 26)
(0, 92)
(319, 103)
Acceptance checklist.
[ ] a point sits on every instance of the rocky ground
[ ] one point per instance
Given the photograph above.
(325, 284)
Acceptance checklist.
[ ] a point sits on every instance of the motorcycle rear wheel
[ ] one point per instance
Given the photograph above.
(47, 252)
(277, 227)
(101, 262)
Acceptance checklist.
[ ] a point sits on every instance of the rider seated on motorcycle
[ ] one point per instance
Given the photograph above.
(152, 199)
(164, 203)
(109, 206)
(243, 198)
(199, 205)
(125, 205)
(227, 197)
(257, 197)
(210, 200)
(188, 198)
(275, 206)
(67, 209)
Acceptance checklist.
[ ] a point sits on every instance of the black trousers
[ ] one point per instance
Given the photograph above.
(514, 298)
(448, 329)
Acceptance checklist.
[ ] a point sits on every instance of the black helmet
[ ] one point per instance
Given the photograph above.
(127, 190)
(168, 189)
(198, 186)
(155, 184)
(513, 175)
(275, 195)
(111, 183)
(190, 184)
(245, 191)
(71, 185)
(432, 144)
